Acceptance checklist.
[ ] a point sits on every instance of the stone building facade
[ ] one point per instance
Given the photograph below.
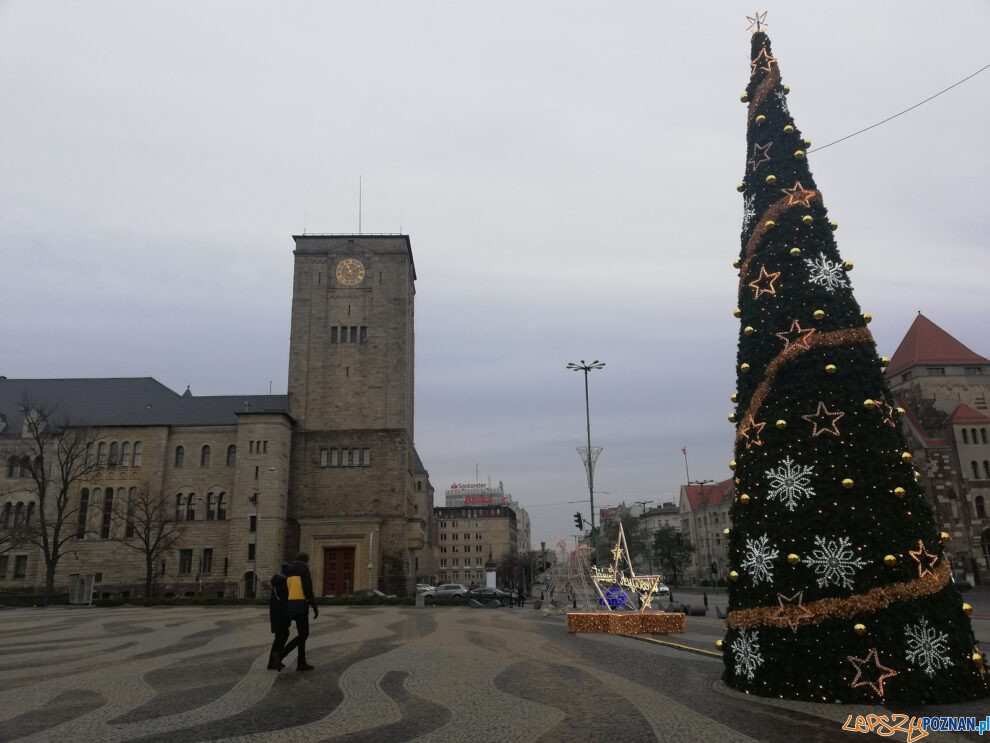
(469, 536)
(943, 387)
(704, 512)
(330, 468)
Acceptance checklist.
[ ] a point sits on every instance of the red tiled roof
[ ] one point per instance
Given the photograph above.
(927, 343)
(714, 493)
(965, 414)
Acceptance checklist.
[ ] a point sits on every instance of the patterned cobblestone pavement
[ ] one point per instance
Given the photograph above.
(382, 674)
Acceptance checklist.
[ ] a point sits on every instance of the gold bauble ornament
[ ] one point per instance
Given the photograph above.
(733, 575)
(786, 88)
(732, 417)
(867, 318)
(781, 423)
(771, 179)
(788, 129)
(833, 225)
(906, 456)
(818, 314)
(900, 411)
(737, 481)
(760, 119)
(807, 219)
(744, 498)
(806, 142)
(799, 154)
(736, 312)
(848, 265)
(736, 263)
(793, 559)
(977, 658)
(744, 367)
(740, 187)
(749, 330)
(769, 224)
(718, 644)
(917, 475)
(733, 397)
(884, 361)
(732, 464)
(900, 492)
(830, 368)
(847, 483)
(860, 629)
(889, 560)
(795, 252)
(944, 536)
(725, 532)
(744, 97)
(869, 404)
(967, 608)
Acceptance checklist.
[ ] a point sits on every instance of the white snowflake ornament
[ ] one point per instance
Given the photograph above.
(825, 273)
(790, 483)
(746, 651)
(927, 647)
(834, 562)
(759, 559)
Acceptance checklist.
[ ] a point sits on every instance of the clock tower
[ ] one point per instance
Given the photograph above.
(351, 354)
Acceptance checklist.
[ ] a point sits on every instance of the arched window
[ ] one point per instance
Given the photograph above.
(231, 455)
(980, 506)
(204, 456)
(107, 513)
(138, 448)
(90, 460)
(101, 454)
(986, 468)
(19, 514)
(114, 454)
(973, 432)
(29, 514)
(125, 454)
(180, 456)
(191, 507)
(221, 507)
(983, 435)
(81, 514)
(976, 471)
(179, 510)
(965, 436)
(5, 516)
(131, 502)
(25, 466)
(11, 466)
(210, 507)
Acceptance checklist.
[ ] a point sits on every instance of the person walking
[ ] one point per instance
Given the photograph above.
(300, 598)
(278, 615)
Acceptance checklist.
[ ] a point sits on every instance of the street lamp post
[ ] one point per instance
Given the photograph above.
(589, 456)
(708, 546)
(649, 557)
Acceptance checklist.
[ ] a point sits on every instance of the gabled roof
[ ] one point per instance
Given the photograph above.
(714, 494)
(965, 414)
(127, 401)
(926, 343)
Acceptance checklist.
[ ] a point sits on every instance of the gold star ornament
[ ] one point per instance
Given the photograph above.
(871, 672)
(796, 336)
(797, 194)
(824, 420)
(761, 154)
(792, 609)
(757, 22)
(751, 431)
(764, 283)
(762, 61)
(925, 559)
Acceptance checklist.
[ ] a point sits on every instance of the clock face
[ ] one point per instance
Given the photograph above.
(350, 272)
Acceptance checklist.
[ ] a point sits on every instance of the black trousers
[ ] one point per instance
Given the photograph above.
(299, 641)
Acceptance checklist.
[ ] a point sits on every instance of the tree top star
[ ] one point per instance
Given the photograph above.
(757, 22)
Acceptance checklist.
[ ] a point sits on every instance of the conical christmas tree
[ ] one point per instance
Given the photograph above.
(840, 589)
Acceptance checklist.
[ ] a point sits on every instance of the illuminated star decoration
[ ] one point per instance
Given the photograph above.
(796, 336)
(798, 194)
(764, 283)
(823, 420)
(751, 431)
(792, 609)
(888, 414)
(757, 21)
(761, 151)
(606, 580)
(925, 559)
(617, 554)
(762, 61)
(884, 673)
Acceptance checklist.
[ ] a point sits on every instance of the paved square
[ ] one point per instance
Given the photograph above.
(382, 674)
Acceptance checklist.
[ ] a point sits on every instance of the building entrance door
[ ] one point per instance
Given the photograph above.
(338, 571)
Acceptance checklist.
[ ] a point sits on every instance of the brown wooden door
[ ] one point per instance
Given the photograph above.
(338, 571)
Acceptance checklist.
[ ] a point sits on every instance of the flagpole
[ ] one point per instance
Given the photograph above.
(686, 470)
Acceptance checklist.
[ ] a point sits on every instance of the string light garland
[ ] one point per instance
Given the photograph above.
(824, 420)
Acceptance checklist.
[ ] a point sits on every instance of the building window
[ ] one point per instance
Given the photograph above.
(478, 535)
(221, 507)
(343, 334)
(129, 527)
(12, 464)
(980, 506)
(333, 334)
(906, 376)
(455, 548)
(114, 454)
(231, 455)
(443, 537)
(125, 454)
(443, 562)
(364, 334)
(3, 566)
(965, 436)
(976, 471)
(253, 523)
(107, 512)
(467, 536)
(986, 468)
(191, 507)
(324, 457)
(366, 458)
(206, 561)
(29, 513)
(81, 515)
(5, 516)
(976, 371)
(478, 548)
(101, 454)
(983, 435)
(478, 561)
(204, 456)
(251, 551)
(419, 483)
(250, 447)
(264, 446)
(211, 511)
(185, 562)
(179, 510)
(180, 456)
(936, 371)
(138, 449)
(354, 334)
(972, 432)
(20, 566)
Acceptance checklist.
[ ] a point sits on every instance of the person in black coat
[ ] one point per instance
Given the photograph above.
(300, 599)
(278, 615)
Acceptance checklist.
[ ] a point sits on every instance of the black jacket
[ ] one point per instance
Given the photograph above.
(300, 586)
(278, 602)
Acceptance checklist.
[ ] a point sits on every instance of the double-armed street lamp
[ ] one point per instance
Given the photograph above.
(589, 455)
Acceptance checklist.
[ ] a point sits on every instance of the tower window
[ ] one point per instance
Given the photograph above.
(965, 436)
(936, 371)
(343, 334)
(354, 334)
(333, 334)
(180, 456)
(363, 330)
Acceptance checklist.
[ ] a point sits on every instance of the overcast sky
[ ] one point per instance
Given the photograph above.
(565, 171)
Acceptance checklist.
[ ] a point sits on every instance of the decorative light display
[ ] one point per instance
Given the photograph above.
(838, 586)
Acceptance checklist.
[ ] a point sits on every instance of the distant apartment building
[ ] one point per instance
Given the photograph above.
(468, 535)
(704, 513)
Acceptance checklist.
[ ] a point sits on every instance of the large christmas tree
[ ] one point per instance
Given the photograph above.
(840, 589)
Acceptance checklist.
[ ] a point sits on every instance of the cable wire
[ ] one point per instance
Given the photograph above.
(889, 118)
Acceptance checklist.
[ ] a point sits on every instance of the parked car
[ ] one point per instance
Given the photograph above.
(424, 588)
(448, 591)
(486, 594)
(372, 593)
(663, 591)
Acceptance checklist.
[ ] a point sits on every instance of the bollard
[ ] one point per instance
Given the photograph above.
(706, 599)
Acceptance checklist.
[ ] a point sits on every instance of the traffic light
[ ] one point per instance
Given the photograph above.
(579, 521)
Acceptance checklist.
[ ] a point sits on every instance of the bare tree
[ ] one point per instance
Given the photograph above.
(150, 527)
(53, 457)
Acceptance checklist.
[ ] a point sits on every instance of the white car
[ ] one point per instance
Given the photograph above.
(424, 588)
(663, 591)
